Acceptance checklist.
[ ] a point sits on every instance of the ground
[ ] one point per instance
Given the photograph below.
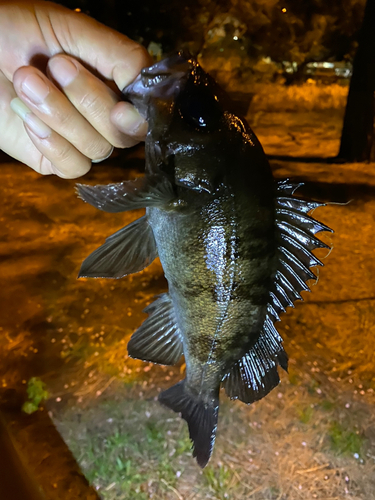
(313, 437)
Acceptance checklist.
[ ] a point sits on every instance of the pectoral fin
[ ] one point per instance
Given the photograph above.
(128, 251)
(158, 339)
(149, 191)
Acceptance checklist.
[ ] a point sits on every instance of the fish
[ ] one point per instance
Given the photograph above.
(236, 246)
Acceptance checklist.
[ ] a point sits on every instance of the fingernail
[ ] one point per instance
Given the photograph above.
(36, 125)
(35, 89)
(63, 71)
(102, 159)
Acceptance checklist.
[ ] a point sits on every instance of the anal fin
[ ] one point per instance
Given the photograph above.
(255, 374)
(125, 252)
(158, 339)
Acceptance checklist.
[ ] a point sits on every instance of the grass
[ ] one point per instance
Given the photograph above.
(345, 441)
(288, 446)
(219, 480)
(306, 414)
(125, 455)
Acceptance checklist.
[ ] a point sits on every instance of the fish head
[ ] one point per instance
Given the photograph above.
(177, 84)
(162, 81)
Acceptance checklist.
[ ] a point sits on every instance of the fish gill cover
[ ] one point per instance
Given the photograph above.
(235, 245)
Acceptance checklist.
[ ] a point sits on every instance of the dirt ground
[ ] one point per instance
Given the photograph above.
(313, 437)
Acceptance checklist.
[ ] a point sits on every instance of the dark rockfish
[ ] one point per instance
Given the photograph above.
(235, 245)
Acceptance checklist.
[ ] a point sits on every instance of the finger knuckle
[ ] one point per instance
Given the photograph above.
(92, 104)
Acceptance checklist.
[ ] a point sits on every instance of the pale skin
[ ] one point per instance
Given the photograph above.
(66, 71)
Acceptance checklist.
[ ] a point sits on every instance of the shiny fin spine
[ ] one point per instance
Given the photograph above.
(296, 240)
(201, 418)
(150, 191)
(158, 339)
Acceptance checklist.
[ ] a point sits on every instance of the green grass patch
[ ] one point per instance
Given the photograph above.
(345, 441)
(219, 480)
(37, 393)
(305, 414)
(128, 454)
(327, 405)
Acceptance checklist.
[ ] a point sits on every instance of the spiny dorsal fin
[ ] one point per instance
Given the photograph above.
(125, 252)
(296, 240)
(158, 339)
(255, 374)
(149, 191)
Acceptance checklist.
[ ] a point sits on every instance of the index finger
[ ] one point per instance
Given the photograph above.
(112, 54)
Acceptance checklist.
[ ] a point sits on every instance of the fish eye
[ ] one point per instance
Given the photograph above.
(200, 110)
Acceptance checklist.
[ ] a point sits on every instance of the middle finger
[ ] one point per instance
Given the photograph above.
(48, 103)
(93, 99)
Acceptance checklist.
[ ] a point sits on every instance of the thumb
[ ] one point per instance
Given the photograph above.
(110, 53)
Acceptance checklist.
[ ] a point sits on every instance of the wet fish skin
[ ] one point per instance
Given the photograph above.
(234, 245)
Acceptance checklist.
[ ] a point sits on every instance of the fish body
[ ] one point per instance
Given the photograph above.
(235, 246)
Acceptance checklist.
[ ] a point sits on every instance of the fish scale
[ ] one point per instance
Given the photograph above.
(235, 246)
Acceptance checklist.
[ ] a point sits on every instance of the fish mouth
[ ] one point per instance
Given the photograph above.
(149, 80)
(172, 68)
(163, 80)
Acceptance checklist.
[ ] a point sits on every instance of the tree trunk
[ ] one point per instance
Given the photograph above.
(357, 138)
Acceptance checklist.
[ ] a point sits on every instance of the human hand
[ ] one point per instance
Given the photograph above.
(72, 116)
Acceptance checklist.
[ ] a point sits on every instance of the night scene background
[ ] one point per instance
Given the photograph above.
(83, 416)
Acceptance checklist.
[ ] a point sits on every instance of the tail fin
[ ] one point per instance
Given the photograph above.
(200, 417)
